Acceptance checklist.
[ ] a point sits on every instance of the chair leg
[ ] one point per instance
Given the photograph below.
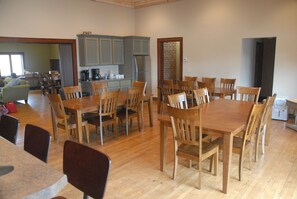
(116, 127)
(101, 135)
(257, 145)
(138, 121)
(240, 166)
(200, 173)
(216, 162)
(127, 125)
(142, 115)
(175, 166)
(263, 139)
(87, 133)
(211, 161)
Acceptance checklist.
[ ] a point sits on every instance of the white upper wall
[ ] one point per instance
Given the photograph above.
(213, 33)
(212, 30)
(63, 18)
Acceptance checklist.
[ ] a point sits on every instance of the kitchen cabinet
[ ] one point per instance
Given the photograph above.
(141, 46)
(105, 51)
(88, 51)
(96, 50)
(118, 51)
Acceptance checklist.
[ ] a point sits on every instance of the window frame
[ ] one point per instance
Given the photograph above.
(10, 61)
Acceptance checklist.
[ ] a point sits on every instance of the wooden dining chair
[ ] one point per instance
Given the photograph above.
(247, 93)
(187, 88)
(188, 141)
(243, 144)
(71, 92)
(201, 96)
(37, 142)
(228, 84)
(61, 119)
(141, 85)
(132, 108)
(167, 88)
(87, 169)
(99, 87)
(107, 113)
(192, 79)
(178, 100)
(210, 85)
(9, 128)
(261, 130)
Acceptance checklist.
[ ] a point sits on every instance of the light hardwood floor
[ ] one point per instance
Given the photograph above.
(135, 163)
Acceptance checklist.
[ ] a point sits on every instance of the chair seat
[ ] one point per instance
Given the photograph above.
(237, 142)
(192, 150)
(71, 123)
(96, 121)
(122, 113)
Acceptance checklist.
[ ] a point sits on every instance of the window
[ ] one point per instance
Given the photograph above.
(11, 63)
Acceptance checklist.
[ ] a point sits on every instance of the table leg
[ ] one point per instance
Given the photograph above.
(78, 125)
(163, 145)
(227, 157)
(150, 107)
(159, 100)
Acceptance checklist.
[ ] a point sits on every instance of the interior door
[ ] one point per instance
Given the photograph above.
(66, 65)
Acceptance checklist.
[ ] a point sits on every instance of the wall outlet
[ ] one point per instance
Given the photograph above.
(185, 59)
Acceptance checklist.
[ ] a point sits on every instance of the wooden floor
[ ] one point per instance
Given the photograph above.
(135, 163)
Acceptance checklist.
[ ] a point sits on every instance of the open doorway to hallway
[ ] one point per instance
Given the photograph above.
(170, 56)
(258, 64)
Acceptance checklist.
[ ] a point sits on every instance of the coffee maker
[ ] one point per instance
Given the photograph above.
(96, 74)
(84, 75)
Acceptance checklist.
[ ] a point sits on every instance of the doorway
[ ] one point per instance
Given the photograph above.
(258, 64)
(170, 56)
(68, 58)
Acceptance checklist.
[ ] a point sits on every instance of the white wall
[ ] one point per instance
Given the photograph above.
(213, 31)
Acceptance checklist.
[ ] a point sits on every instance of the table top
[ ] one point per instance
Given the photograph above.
(222, 115)
(30, 178)
(91, 103)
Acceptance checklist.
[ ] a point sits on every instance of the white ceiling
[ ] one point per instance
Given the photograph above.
(136, 3)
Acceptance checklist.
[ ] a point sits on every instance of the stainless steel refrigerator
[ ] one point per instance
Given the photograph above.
(143, 70)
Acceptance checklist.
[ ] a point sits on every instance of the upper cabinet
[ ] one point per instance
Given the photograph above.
(97, 50)
(141, 46)
(118, 51)
(88, 51)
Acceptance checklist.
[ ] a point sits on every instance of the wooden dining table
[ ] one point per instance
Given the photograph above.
(29, 177)
(222, 117)
(91, 103)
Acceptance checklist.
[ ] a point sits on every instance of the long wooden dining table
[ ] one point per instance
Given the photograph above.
(91, 103)
(222, 117)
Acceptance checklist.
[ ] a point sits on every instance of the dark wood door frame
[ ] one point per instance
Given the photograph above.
(160, 54)
(48, 41)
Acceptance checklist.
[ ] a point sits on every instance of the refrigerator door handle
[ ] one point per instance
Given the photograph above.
(136, 69)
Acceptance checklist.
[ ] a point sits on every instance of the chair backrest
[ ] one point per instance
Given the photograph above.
(134, 98)
(228, 83)
(72, 92)
(87, 169)
(167, 88)
(99, 87)
(184, 125)
(37, 142)
(191, 79)
(57, 106)
(108, 103)
(139, 84)
(210, 83)
(201, 96)
(253, 120)
(9, 128)
(178, 100)
(247, 93)
(267, 110)
(186, 86)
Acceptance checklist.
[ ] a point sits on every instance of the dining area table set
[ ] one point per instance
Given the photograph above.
(102, 109)
(204, 122)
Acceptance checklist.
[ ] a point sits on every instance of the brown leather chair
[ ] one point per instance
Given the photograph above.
(37, 142)
(9, 128)
(89, 177)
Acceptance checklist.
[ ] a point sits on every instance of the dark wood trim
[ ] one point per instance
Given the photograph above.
(160, 53)
(48, 41)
